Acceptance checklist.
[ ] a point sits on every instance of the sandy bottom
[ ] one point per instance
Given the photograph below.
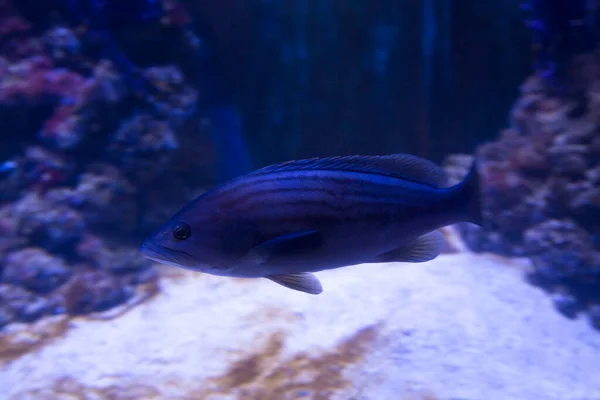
(462, 326)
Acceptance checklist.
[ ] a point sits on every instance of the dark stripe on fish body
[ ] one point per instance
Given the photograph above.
(334, 192)
(315, 174)
(369, 197)
(336, 177)
(332, 202)
(313, 201)
(388, 188)
(362, 195)
(284, 212)
(309, 210)
(342, 202)
(351, 179)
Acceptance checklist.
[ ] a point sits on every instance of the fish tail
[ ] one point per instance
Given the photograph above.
(470, 195)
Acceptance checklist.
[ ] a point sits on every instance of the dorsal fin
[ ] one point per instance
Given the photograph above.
(403, 166)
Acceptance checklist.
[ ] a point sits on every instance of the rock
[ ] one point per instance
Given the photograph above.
(92, 291)
(6, 316)
(460, 327)
(119, 259)
(566, 304)
(36, 270)
(594, 316)
(96, 194)
(53, 226)
(18, 304)
(540, 188)
(561, 244)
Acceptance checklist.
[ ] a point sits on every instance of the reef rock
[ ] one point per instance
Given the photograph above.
(96, 149)
(460, 327)
(541, 192)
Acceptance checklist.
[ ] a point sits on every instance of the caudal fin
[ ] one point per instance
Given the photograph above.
(471, 194)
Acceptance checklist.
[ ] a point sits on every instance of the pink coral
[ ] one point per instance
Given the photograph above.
(175, 13)
(68, 126)
(35, 79)
(11, 24)
(64, 129)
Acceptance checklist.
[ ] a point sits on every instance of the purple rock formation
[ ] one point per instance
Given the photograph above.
(541, 191)
(88, 160)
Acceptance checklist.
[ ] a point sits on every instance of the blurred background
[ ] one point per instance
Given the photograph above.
(114, 114)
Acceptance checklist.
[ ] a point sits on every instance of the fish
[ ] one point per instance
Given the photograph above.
(287, 221)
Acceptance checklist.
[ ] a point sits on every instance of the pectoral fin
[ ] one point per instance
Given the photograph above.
(303, 282)
(424, 248)
(290, 243)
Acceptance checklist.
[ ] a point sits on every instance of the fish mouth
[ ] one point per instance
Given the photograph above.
(165, 255)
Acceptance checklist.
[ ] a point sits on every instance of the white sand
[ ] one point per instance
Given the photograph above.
(459, 327)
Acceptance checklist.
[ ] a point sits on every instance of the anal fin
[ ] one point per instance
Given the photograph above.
(422, 249)
(303, 282)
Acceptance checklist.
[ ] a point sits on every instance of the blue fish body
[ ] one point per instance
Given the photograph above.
(285, 222)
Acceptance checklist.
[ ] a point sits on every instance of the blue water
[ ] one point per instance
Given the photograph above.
(116, 114)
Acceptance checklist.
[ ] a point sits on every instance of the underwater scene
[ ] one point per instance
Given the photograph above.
(299, 199)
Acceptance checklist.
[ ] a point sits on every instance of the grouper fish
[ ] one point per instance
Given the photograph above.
(287, 221)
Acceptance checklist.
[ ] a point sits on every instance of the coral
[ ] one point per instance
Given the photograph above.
(180, 103)
(9, 238)
(46, 223)
(541, 193)
(569, 248)
(11, 23)
(561, 29)
(20, 304)
(36, 270)
(108, 257)
(95, 195)
(92, 291)
(40, 169)
(143, 146)
(35, 79)
(78, 117)
(61, 42)
(89, 152)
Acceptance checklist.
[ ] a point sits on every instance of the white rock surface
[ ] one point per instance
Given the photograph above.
(460, 327)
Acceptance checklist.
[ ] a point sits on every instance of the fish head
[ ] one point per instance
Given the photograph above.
(202, 236)
(184, 244)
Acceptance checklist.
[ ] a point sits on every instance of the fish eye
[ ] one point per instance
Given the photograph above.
(182, 231)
